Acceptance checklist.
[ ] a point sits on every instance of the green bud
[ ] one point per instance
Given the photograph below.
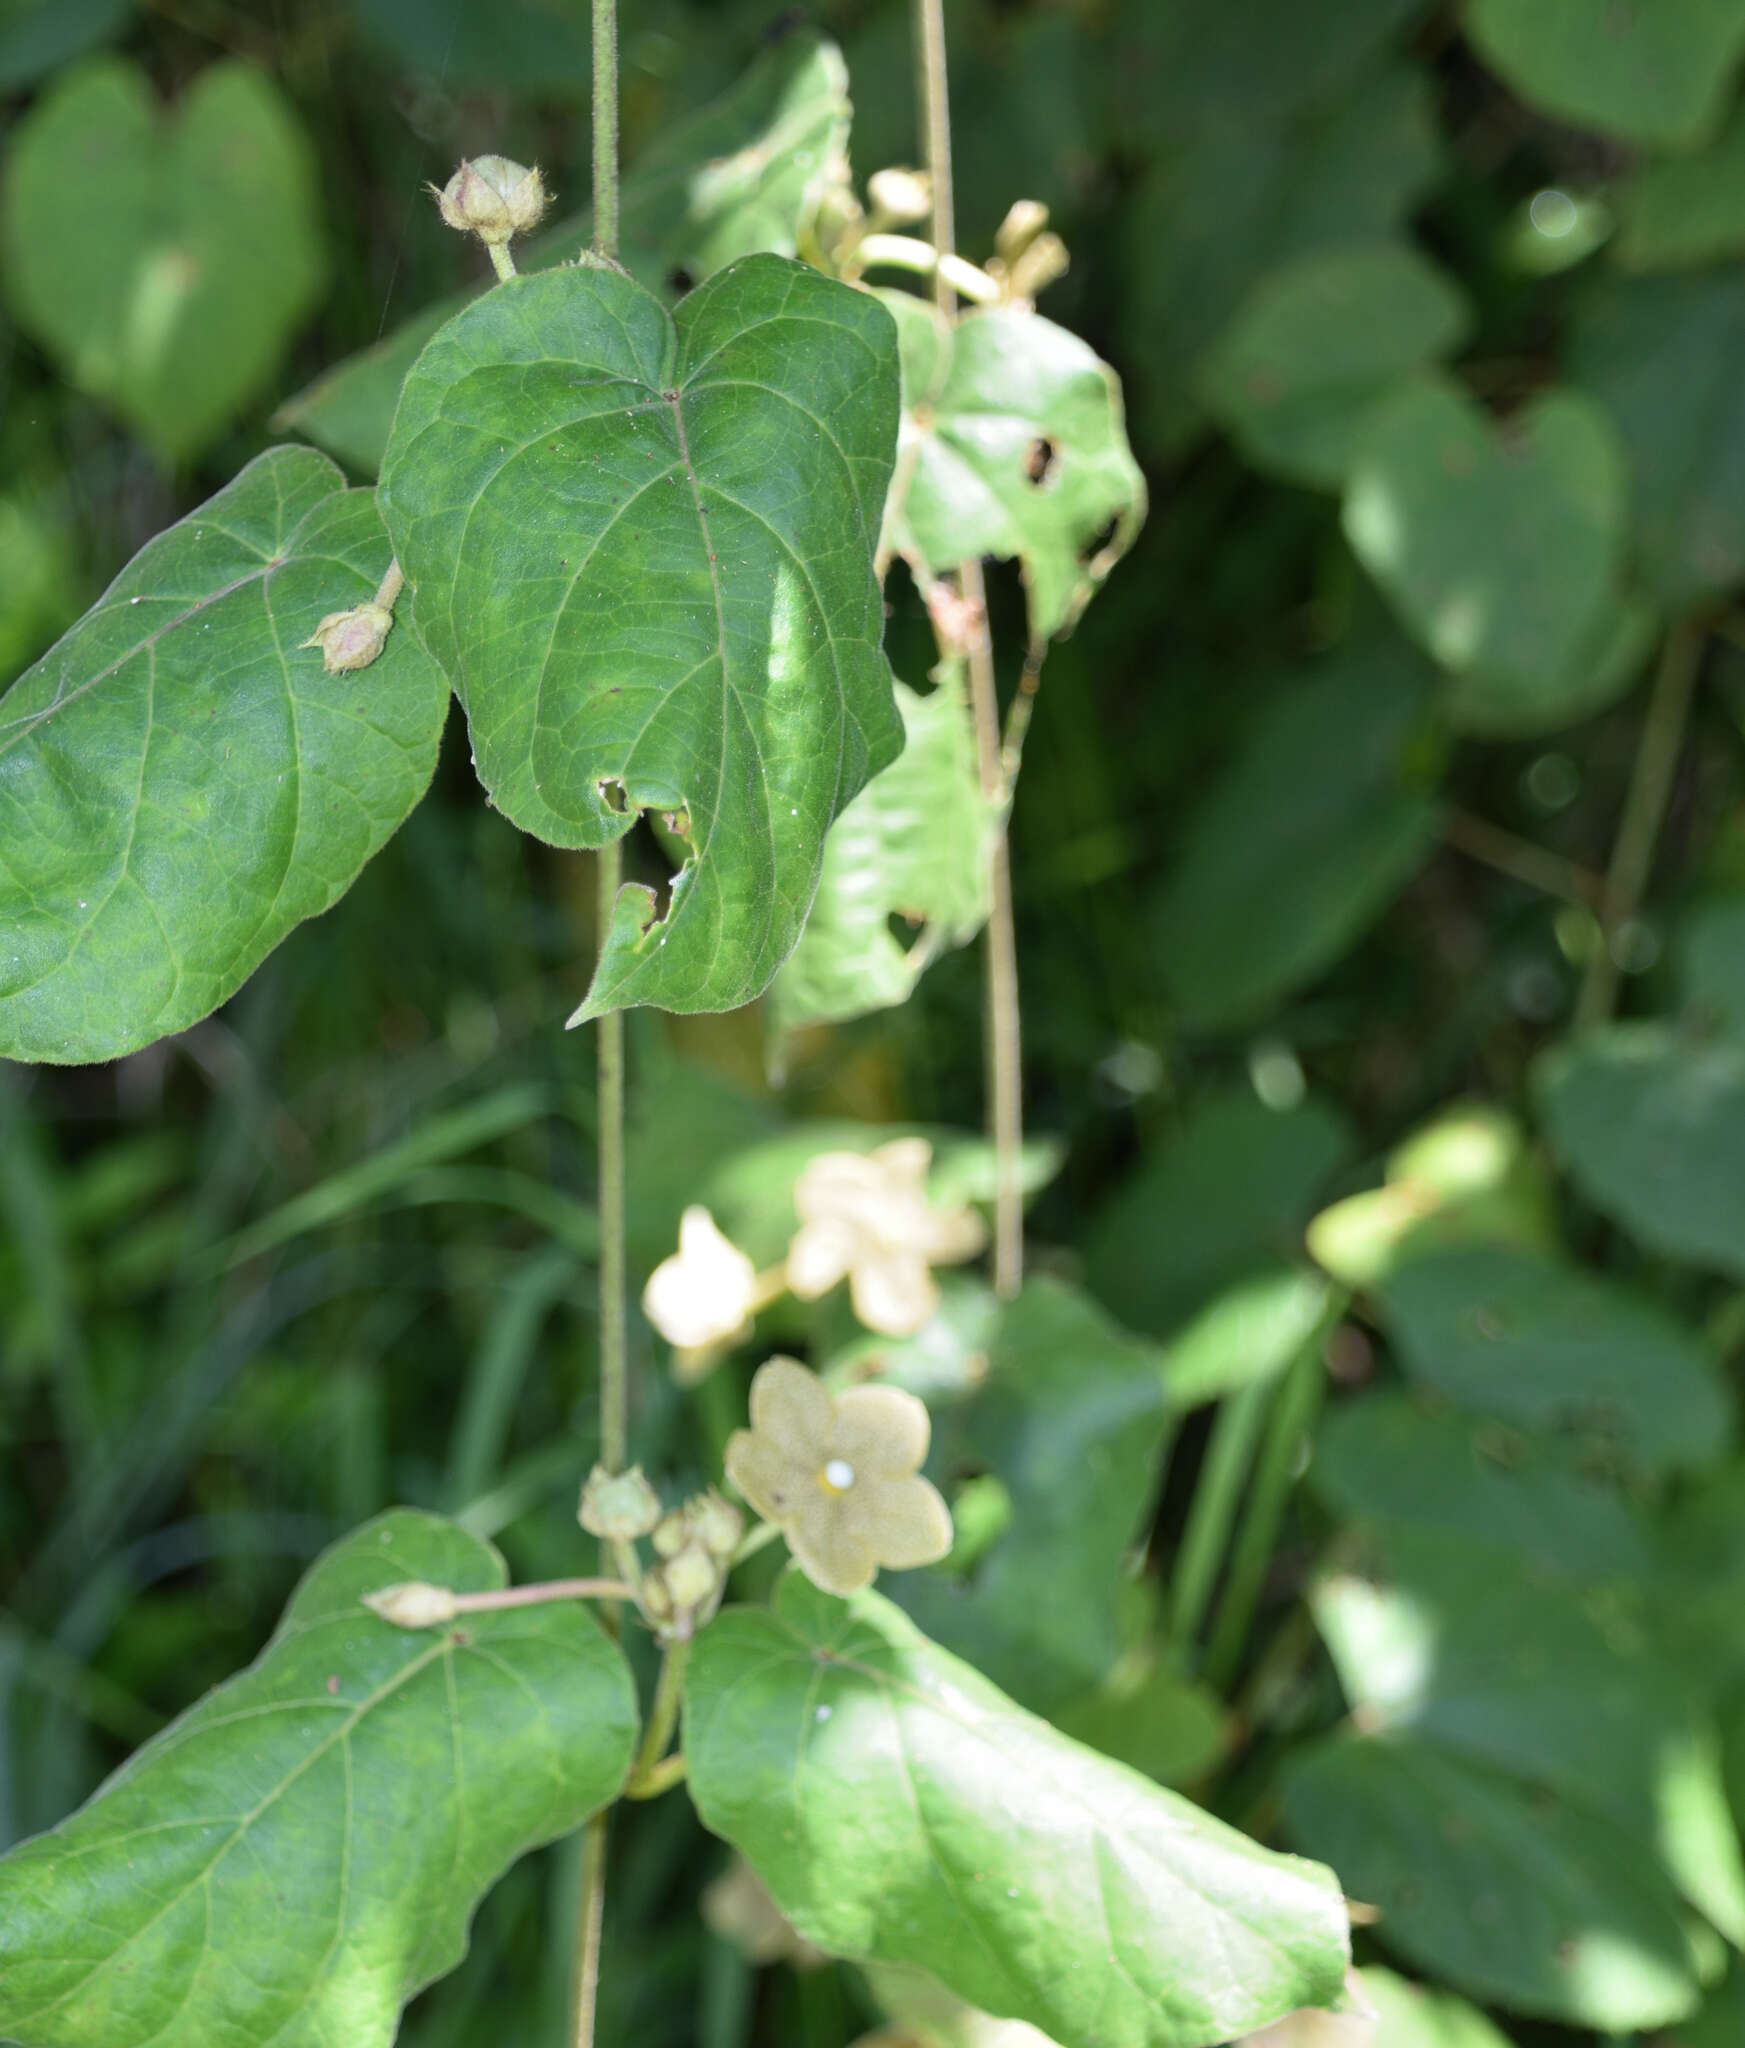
(618, 1506)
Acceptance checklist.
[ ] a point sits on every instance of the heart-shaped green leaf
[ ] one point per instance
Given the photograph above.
(1680, 212)
(1013, 445)
(1649, 70)
(902, 1810)
(641, 546)
(1500, 551)
(913, 844)
(181, 782)
(163, 258)
(295, 1856)
(1317, 344)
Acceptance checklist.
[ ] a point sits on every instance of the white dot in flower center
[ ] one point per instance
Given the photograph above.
(839, 1475)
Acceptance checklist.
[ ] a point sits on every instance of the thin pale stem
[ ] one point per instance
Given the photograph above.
(539, 1595)
(590, 1924)
(663, 1716)
(936, 130)
(502, 262)
(389, 589)
(754, 1540)
(1521, 860)
(1632, 862)
(606, 127)
(614, 1366)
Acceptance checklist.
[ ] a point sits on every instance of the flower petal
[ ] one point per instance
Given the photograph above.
(953, 1234)
(828, 1547)
(771, 1480)
(904, 1162)
(820, 1254)
(793, 1408)
(881, 1431)
(903, 1522)
(893, 1292)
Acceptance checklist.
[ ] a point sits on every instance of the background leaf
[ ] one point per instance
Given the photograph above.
(164, 257)
(643, 552)
(1679, 212)
(913, 845)
(38, 36)
(181, 782)
(356, 1790)
(873, 1781)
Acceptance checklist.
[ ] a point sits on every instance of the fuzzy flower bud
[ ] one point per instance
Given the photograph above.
(351, 639)
(618, 1506)
(413, 1604)
(692, 1576)
(1040, 264)
(1025, 220)
(899, 195)
(494, 198)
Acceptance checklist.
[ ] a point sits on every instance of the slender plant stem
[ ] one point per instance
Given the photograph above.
(1003, 1028)
(1521, 860)
(541, 1594)
(502, 262)
(663, 1716)
(1217, 1494)
(392, 583)
(606, 127)
(614, 1368)
(1657, 755)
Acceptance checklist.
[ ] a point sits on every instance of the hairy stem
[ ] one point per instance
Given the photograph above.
(1657, 755)
(392, 583)
(502, 262)
(590, 1921)
(540, 1594)
(1004, 1042)
(606, 127)
(663, 1718)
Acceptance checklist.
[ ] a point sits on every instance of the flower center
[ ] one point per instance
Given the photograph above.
(837, 1476)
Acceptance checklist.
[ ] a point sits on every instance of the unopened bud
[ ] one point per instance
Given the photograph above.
(716, 1523)
(899, 195)
(1041, 263)
(413, 1604)
(672, 1533)
(351, 639)
(693, 1577)
(619, 1505)
(657, 1601)
(1025, 220)
(494, 198)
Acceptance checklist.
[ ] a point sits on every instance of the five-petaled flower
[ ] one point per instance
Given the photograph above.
(866, 1216)
(702, 1298)
(838, 1474)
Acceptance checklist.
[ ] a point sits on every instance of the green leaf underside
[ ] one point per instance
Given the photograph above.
(1500, 1888)
(1649, 1120)
(1498, 551)
(900, 1809)
(1317, 343)
(912, 844)
(163, 257)
(181, 782)
(641, 546)
(743, 174)
(334, 1815)
(1014, 445)
(1551, 1347)
(1647, 70)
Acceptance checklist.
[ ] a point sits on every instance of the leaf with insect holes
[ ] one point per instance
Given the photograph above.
(641, 546)
(182, 782)
(1013, 445)
(302, 1850)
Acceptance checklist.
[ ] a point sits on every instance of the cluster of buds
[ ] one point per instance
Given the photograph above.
(694, 1544)
(1027, 256)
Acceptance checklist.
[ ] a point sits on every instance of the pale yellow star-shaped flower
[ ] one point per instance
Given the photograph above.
(702, 1298)
(865, 1217)
(839, 1476)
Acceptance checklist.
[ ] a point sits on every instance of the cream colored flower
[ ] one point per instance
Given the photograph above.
(866, 1216)
(701, 1298)
(838, 1474)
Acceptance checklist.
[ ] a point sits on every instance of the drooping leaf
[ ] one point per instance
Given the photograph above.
(163, 258)
(1649, 1120)
(902, 1810)
(1661, 354)
(1500, 551)
(1502, 1889)
(913, 844)
(1386, 1461)
(39, 36)
(1013, 445)
(1322, 817)
(1227, 1196)
(181, 782)
(743, 174)
(1226, 201)
(1680, 212)
(1642, 70)
(641, 546)
(1070, 1421)
(1413, 2016)
(1484, 1664)
(298, 1853)
(1551, 1347)
(1317, 343)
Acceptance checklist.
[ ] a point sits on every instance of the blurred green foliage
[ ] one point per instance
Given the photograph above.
(1427, 320)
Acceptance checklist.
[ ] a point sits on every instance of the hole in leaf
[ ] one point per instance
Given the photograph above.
(613, 795)
(1090, 549)
(1042, 462)
(681, 279)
